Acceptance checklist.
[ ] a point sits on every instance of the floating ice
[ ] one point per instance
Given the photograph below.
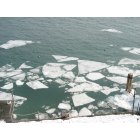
(19, 100)
(87, 86)
(50, 111)
(126, 48)
(52, 71)
(64, 106)
(103, 104)
(3, 74)
(36, 85)
(19, 76)
(73, 113)
(86, 66)
(85, 112)
(135, 51)
(69, 67)
(19, 83)
(15, 43)
(91, 107)
(7, 68)
(33, 77)
(25, 66)
(36, 70)
(71, 84)
(118, 79)
(41, 116)
(59, 57)
(94, 76)
(107, 90)
(80, 80)
(59, 81)
(123, 71)
(111, 30)
(69, 75)
(8, 86)
(81, 99)
(126, 61)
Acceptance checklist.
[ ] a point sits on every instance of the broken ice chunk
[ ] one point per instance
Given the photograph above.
(94, 76)
(118, 79)
(107, 90)
(36, 85)
(25, 66)
(69, 67)
(73, 113)
(19, 77)
(8, 86)
(19, 83)
(128, 61)
(59, 57)
(85, 112)
(50, 111)
(64, 106)
(81, 99)
(68, 59)
(80, 79)
(86, 66)
(59, 81)
(35, 70)
(69, 75)
(119, 70)
(91, 107)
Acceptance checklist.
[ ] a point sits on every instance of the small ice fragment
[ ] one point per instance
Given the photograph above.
(86, 66)
(19, 83)
(71, 84)
(107, 90)
(36, 85)
(127, 61)
(35, 70)
(41, 116)
(25, 66)
(85, 112)
(80, 79)
(81, 99)
(68, 59)
(69, 67)
(8, 86)
(111, 30)
(64, 106)
(103, 104)
(15, 43)
(59, 57)
(135, 51)
(126, 48)
(94, 76)
(69, 75)
(73, 113)
(59, 81)
(19, 77)
(91, 107)
(50, 111)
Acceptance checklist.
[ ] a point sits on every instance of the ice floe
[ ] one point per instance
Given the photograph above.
(103, 104)
(69, 67)
(8, 86)
(15, 43)
(64, 106)
(19, 76)
(111, 30)
(7, 68)
(35, 70)
(33, 77)
(123, 71)
(25, 66)
(19, 83)
(127, 61)
(87, 86)
(91, 107)
(60, 58)
(118, 79)
(126, 48)
(85, 112)
(94, 76)
(108, 90)
(86, 66)
(80, 79)
(41, 116)
(12, 73)
(135, 51)
(50, 111)
(60, 81)
(73, 113)
(69, 75)
(36, 85)
(52, 71)
(81, 99)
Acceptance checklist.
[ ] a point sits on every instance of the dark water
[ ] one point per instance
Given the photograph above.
(76, 37)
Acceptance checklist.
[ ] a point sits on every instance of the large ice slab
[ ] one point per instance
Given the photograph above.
(127, 61)
(35, 70)
(86, 66)
(94, 76)
(69, 75)
(87, 86)
(108, 90)
(8, 86)
(111, 30)
(85, 112)
(81, 99)
(52, 71)
(118, 79)
(15, 43)
(80, 79)
(19, 76)
(36, 85)
(64, 106)
(123, 71)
